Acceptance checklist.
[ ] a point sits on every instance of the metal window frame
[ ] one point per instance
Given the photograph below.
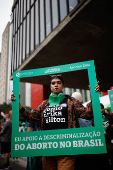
(34, 23)
(26, 29)
(17, 35)
(50, 13)
(59, 14)
(19, 2)
(20, 16)
(39, 19)
(67, 1)
(45, 32)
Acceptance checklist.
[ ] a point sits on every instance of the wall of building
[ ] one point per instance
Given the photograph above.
(4, 65)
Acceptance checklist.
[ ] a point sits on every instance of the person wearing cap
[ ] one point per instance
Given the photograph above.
(77, 96)
(57, 112)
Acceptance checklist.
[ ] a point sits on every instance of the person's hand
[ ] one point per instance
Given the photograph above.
(13, 97)
(97, 87)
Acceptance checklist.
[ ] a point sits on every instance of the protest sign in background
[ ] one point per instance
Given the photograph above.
(110, 92)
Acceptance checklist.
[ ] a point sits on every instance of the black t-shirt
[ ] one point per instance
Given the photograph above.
(56, 117)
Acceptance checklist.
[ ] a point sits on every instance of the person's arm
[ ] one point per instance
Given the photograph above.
(35, 115)
(5, 126)
(81, 111)
(26, 114)
(88, 114)
(13, 99)
(78, 108)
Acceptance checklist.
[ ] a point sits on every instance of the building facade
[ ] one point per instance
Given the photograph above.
(33, 21)
(56, 32)
(6, 86)
(4, 65)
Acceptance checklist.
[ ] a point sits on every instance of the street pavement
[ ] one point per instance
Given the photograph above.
(20, 165)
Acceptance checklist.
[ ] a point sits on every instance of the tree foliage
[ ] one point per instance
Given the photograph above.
(5, 108)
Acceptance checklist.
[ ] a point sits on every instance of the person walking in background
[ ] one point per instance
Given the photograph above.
(5, 134)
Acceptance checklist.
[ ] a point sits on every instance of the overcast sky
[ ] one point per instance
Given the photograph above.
(5, 12)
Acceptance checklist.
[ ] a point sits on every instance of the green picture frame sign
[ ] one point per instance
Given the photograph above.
(75, 141)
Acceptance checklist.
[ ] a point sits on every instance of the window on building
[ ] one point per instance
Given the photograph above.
(24, 8)
(32, 2)
(15, 56)
(19, 12)
(55, 13)
(16, 15)
(28, 5)
(22, 2)
(18, 45)
(23, 40)
(36, 24)
(32, 29)
(72, 4)
(14, 19)
(48, 22)
(42, 20)
(63, 9)
(27, 41)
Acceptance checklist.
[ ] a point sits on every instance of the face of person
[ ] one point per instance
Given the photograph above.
(56, 85)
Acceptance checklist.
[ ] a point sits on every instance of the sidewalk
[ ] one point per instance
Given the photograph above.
(20, 165)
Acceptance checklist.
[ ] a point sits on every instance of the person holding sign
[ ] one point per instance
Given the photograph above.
(60, 111)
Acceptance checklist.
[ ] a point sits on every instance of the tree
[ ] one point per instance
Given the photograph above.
(5, 108)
